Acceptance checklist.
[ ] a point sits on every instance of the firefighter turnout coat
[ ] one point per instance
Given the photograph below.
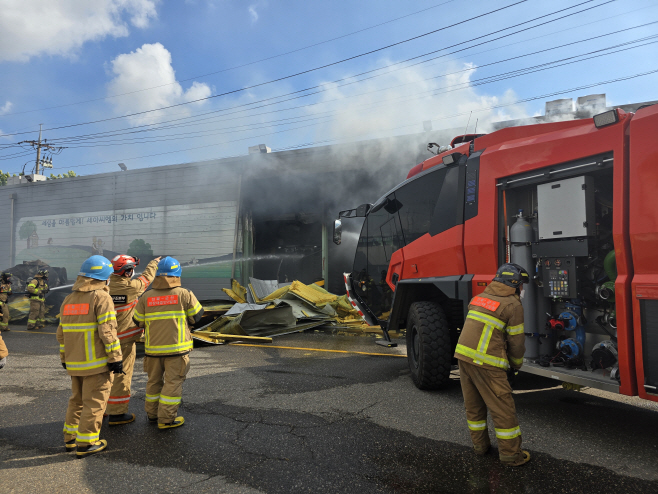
(493, 332)
(491, 342)
(87, 332)
(37, 288)
(3, 349)
(88, 341)
(125, 293)
(164, 313)
(5, 291)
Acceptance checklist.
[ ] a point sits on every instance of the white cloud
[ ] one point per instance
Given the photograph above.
(150, 67)
(6, 108)
(253, 13)
(400, 101)
(59, 27)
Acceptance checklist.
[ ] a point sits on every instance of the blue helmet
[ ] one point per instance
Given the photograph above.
(97, 267)
(169, 267)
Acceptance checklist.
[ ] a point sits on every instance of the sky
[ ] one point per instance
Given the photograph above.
(157, 82)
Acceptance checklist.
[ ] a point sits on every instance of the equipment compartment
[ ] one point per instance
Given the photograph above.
(558, 226)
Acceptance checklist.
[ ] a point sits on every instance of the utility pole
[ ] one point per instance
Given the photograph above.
(46, 163)
(36, 172)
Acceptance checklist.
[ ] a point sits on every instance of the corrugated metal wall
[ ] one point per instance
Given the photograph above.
(184, 211)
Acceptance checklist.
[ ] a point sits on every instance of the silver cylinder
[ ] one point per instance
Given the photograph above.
(521, 234)
(547, 342)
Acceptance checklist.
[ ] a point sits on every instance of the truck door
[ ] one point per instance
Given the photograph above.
(643, 232)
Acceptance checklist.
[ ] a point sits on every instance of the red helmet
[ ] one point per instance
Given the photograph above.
(123, 263)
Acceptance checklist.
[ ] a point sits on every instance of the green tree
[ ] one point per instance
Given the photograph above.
(27, 229)
(139, 248)
(4, 176)
(67, 174)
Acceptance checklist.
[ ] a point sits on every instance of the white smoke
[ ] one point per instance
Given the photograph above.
(399, 102)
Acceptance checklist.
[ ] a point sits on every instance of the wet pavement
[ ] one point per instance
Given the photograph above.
(290, 418)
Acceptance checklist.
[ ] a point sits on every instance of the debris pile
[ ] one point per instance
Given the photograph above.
(19, 304)
(266, 308)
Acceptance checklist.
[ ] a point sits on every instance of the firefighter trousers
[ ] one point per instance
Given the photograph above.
(488, 389)
(84, 415)
(4, 324)
(37, 316)
(120, 394)
(164, 389)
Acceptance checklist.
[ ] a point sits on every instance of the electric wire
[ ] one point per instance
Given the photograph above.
(502, 105)
(387, 67)
(469, 84)
(342, 61)
(236, 66)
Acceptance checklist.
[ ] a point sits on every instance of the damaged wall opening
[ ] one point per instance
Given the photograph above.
(288, 248)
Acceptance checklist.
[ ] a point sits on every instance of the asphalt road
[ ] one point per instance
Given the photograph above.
(265, 419)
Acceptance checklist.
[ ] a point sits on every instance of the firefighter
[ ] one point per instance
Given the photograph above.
(3, 353)
(492, 343)
(165, 312)
(5, 292)
(37, 287)
(90, 350)
(125, 291)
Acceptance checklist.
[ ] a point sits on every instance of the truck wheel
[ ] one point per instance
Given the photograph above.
(429, 351)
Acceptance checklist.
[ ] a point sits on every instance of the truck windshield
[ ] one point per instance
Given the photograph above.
(398, 220)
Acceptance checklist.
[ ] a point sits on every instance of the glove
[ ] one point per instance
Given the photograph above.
(116, 367)
(3, 362)
(64, 365)
(511, 376)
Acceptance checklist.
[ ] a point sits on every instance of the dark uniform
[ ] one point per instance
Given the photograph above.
(492, 342)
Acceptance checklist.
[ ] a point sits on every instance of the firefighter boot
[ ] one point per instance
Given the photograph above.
(124, 418)
(524, 458)
(70, 446)
(93, 448)
(482, 450)
(178, 421)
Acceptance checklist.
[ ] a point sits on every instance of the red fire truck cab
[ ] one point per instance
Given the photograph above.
(575, 203)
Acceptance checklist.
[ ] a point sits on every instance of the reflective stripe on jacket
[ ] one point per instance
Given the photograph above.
(5, 291)
(125, 292)
(493, 331)
(87, 330)
(164, 312)
(37, 287)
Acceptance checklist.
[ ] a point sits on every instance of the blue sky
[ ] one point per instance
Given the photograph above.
(83, 57)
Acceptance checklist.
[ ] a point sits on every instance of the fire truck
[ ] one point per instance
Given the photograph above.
(575, 203)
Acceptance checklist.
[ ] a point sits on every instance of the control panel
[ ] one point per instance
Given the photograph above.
(560, 277)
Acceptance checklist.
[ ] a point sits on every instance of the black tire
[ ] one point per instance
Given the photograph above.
(429, 348)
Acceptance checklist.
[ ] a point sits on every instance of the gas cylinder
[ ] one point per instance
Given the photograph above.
(521, 235)
(548, 338)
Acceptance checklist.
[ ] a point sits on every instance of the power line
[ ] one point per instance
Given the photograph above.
(237, 66)
(99, 139)
(370, 52)
(357, 75)
(524, 100)
(433, 92)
